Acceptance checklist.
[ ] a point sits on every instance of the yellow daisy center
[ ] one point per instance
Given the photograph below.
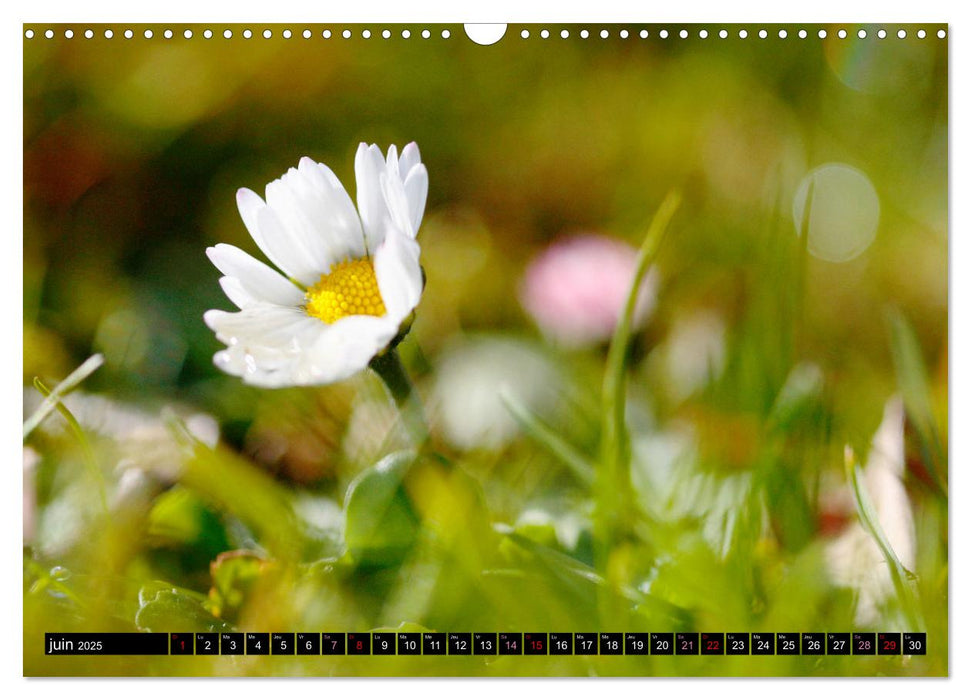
(349, 289)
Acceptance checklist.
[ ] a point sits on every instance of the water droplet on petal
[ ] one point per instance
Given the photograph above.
(250, 363)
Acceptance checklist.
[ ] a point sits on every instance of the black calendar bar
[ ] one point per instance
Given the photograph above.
(106, 643)
(861, 644)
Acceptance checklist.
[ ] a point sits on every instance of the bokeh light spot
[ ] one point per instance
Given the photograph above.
(845, 212)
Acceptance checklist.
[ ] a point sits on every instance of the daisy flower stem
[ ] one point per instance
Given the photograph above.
(388, 366)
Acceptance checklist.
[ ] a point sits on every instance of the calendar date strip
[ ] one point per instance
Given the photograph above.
(488, 643)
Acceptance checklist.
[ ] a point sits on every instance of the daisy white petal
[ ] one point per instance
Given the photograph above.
(250, 205)
(258, 328)
(327, 354)
(252, 372)
(237, 293)
(390, 189)
(392, 160)
(258, 280)
(284, 244)
(347, 346)
(369, 165)
(414, 178)
(393, 190)
(318, 214)
(410, 157)
(265, 342)
(337, 218)
(284, 198)
(398, 273)
(416, 192)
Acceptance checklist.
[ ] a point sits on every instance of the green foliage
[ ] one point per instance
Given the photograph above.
(915, 389)
(380, 524)
(233, 577)
(233, 484)
(165, 608)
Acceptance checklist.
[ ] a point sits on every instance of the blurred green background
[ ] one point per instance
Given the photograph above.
(133, 151)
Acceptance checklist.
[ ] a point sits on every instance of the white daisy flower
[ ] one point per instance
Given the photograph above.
(349, 285)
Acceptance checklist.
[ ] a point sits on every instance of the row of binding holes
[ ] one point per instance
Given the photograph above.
(445, 34)
(246, 34)
(724, 34)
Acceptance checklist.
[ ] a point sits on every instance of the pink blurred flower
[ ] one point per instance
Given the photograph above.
(575, 289)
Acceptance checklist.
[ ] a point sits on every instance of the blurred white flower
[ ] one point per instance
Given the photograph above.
(350, 281)
(567, 525)
(140, 441)
(576, 289)
(123, 421)
(668, 483)
(134, 488)
(854, 558)
(466, 399)
(694, 353)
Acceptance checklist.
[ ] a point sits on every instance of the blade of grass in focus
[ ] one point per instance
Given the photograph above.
(613, 483)
(63, 389)
(871, 523)
(82, 439)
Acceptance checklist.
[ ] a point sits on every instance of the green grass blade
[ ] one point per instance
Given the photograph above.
(63, 389)
(871, 523)
(914, 387)
(614, 474)
(547, 438)
(82, 439)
